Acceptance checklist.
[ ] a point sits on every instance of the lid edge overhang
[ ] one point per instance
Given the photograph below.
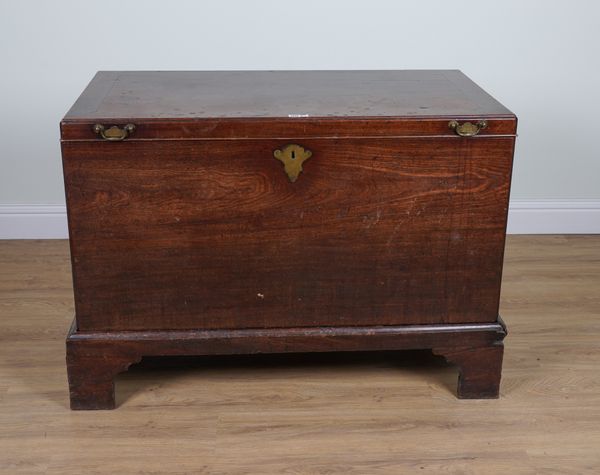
(285, 127)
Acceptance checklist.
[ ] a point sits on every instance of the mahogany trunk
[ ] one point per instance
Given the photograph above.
(189, 236)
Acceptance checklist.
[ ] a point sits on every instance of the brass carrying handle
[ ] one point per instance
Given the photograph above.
(114, 133)
(467, 129)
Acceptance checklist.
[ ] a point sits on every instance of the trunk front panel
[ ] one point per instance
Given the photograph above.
(210, 234)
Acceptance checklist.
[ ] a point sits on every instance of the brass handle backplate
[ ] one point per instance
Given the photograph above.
(467, 129)
(114, 133)
(292, 156)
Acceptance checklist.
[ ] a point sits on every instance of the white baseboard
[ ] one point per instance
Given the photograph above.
(525, 217)
(554, 217)
(33, 222)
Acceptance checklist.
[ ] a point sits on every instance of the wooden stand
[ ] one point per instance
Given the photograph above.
(95, 358)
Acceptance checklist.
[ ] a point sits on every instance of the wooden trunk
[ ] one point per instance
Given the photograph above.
(250, 212)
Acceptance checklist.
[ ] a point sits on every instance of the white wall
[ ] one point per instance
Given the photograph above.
(540, 58)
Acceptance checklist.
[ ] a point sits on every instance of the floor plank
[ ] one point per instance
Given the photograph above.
(372, 413)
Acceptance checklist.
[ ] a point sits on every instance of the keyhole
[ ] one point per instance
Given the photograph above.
(293, 155)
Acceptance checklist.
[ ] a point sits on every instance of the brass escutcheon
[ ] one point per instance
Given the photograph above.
(292, 156)
(114, 133)
(467, 129)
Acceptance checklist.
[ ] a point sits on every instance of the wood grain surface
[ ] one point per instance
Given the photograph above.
(212, 234)
(248, 94)
(389, 413)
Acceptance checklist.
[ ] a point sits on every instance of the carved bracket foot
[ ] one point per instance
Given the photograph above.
(91, 376)
(479, 370)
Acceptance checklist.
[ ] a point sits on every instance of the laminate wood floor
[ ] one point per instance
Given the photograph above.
(387, 413)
